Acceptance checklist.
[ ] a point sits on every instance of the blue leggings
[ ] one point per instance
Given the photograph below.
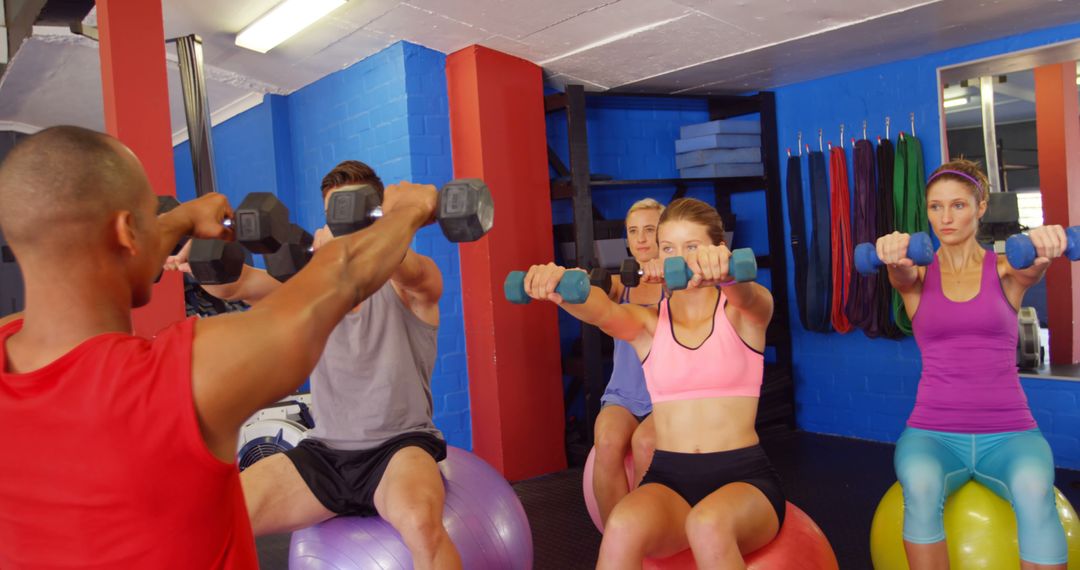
(1017, 466)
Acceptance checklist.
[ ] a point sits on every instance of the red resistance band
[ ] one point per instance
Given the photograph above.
(841, 238)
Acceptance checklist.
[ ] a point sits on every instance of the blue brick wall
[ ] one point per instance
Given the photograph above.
(849, 384)
(428, 127)
(244, 156)
(390, 111)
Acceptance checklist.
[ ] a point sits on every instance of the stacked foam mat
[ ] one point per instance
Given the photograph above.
(719, 149)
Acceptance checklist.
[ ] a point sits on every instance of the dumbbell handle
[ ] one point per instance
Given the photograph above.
(920, 250)
(1021, 252)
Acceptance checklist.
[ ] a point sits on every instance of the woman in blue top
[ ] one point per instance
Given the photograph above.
(624, 422)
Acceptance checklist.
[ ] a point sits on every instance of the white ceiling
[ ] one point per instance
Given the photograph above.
(690, 46)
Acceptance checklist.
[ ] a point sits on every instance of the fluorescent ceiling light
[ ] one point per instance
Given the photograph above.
(283, 22)
(949, 103)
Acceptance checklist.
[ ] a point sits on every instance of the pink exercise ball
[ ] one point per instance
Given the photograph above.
(800, 544)
(587, 485)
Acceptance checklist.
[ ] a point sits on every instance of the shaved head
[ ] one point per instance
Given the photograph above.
(58, 187)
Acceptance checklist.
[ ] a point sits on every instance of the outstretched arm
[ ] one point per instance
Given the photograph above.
(244, 361)
(625, 322)
(1049, 242)
(253, 285)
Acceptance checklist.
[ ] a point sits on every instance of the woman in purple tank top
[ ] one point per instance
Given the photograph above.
(624, 422)
(971, 419)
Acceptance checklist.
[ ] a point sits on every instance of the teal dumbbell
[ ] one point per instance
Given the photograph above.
(574, 287)
(742, 266)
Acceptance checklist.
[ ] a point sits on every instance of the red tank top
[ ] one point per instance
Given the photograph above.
(105, 466)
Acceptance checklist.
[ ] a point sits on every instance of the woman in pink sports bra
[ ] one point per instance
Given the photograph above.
(971, 418)
(709, 486)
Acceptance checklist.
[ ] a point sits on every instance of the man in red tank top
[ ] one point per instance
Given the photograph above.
(121, 450)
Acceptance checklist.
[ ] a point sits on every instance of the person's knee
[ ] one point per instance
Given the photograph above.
(1032, 490)
(644, 443)
(710, 527)
(923, 483)
(623, 526)
(420, 523)
(612, 445)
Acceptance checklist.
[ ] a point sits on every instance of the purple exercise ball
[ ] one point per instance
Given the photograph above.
(482, 516)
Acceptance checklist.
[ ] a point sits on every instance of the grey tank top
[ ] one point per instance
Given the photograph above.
(373, 381)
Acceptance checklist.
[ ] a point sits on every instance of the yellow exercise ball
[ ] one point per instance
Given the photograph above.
(980, 530)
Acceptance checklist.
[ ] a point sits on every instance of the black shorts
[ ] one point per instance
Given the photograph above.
(696, 475)
(345, 481)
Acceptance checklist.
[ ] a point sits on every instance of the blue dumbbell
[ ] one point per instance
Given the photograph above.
(574, 287)
(742, 266)
(1021, 252)
(920, 250)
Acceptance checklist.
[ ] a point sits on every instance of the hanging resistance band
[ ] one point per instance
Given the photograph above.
(818, 287)
(841, 239)
(862, 292)
(909, 200)
(798, 232)
(885, 225)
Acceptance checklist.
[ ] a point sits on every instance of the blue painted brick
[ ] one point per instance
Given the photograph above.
(1067, 423)
(1050, 399)
(417, 124)
(456, 401)
(453, 362)
(1044, 418)
(1066, 450)
(428, 145)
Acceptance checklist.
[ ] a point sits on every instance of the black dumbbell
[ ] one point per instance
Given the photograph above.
(292, 256)
(465, 211)
(630, 273)
(215, 261)
(600, 277)
(262, 223)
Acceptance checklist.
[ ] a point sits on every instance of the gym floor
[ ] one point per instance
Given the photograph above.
(837, 481)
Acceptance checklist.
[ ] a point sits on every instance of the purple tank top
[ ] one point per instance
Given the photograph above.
(626, 387)
(969, 381)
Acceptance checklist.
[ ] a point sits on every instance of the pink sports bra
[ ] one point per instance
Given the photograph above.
(723, 366)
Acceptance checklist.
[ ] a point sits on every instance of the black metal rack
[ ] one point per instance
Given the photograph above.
(776, 410)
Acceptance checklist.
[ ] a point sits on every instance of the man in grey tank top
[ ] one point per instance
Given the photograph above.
(374, 447)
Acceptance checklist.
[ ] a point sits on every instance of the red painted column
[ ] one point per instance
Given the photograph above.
(515, 370)
(136, 91)
(1057, 120)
